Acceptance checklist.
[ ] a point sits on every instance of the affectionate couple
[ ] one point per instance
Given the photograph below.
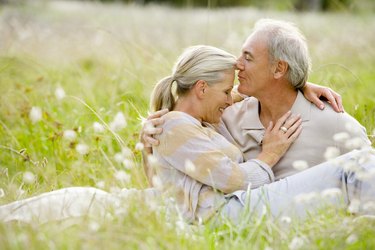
(220, 159)
(250, 159)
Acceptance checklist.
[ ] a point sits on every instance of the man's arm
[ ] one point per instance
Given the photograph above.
(149, 128)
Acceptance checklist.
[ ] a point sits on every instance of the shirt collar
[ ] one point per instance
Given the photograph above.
(300, 106)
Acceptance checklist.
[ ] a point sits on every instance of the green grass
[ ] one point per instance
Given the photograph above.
(107, 59)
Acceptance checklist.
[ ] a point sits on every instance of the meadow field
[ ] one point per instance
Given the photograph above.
(75, 80)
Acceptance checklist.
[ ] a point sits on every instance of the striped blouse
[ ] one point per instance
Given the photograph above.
(198, 166)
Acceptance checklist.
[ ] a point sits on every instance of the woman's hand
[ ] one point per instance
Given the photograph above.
(278, 138)
(314, 92)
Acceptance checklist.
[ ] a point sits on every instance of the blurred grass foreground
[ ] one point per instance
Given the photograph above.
(71, 70)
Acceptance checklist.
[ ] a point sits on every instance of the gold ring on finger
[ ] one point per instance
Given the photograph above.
(284, 129)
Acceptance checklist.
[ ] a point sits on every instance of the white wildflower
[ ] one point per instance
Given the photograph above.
(306, 198)
(296, 243)
(353, 238)
(350, 166)
(352, 128)
(181, 225)
(331, 193)
(119, 157)
(355, 143)
(35, 114)
(300, 165)
(60, 93)
(122, 176)
(331, 152)
(341, 137)
(264, 210)
(354, 206)
(94, 226)
(98, 127)
(286, 220)
(139, 146)
(123, 156)
(152, 160)
(100, 184)
(126, 152)
(69, 135)
(148, 127)
(156, 182)
(28, 177)
(128, 164)
(2, 193)
(82, 149)
(118, 123)
(189, 166)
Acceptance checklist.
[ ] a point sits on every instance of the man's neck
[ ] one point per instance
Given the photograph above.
(274, 104)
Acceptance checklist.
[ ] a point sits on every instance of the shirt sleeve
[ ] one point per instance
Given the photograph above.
(188, 149)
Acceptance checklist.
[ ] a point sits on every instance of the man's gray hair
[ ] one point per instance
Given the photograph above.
(286, 43)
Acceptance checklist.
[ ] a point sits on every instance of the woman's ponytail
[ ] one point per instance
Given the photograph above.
(162, 96)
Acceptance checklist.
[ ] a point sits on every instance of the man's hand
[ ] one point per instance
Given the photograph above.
(314, 92)
(149, 128)
(146, 137)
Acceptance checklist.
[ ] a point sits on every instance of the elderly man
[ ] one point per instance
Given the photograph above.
(273, 68)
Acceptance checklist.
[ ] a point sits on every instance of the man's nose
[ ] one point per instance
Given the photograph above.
(239, 64)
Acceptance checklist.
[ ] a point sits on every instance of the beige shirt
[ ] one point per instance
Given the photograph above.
(241, 126)
(197, 166)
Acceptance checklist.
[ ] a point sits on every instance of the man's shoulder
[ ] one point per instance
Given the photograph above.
(329, 115)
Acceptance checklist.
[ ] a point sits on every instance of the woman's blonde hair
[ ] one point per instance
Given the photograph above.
(196, 63)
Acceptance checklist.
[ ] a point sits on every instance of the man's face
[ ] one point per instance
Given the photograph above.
(254, 67)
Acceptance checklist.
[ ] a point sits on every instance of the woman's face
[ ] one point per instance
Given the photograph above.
(217, 98)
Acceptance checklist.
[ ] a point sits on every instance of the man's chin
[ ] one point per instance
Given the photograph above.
(243, 91)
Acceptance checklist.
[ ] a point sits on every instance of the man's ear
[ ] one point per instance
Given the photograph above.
(280, 69)
(200, 88)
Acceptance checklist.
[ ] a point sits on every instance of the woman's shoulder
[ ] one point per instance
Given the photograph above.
(178, 117)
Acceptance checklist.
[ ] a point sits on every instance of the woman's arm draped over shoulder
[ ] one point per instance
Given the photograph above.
(208, 158)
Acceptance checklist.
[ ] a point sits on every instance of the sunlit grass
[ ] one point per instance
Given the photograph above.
(107, 58)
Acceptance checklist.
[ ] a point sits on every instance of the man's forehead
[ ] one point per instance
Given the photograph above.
(253, 42)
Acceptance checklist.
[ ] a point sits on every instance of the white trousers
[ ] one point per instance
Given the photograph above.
(347, 181)
(69, 203)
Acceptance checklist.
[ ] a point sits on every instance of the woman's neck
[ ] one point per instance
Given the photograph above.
(188, 106)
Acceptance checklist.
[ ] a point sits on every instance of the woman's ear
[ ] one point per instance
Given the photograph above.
(280, 70)
(200, 88)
